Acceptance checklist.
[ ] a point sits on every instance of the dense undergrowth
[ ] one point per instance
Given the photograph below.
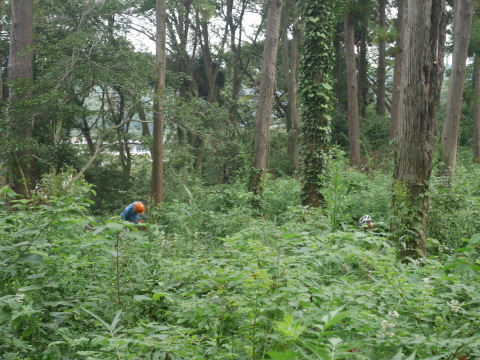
(212, 279)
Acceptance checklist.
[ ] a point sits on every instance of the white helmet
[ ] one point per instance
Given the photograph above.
(365, 219)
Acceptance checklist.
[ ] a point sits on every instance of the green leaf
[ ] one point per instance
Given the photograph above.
(23, 243)
(116, 319)
(142, 298)
(4, 316)
(291, 236)
(288, 355)
(412, 356)
(157, 296)
(105, 324)
(115, 227)
(32, 287)
(36, 276)
(30, 259)
(27, 230)
(326, 86)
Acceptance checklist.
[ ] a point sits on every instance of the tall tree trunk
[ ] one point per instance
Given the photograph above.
(353, 121)
(381, 60)
(158, 117)
(1, 53)
(20, 67)
(419, 96)
(476, 113)
(265, 102)
(293, 95)
(315, 87)
(461, 25)
(397, 70)
(363, 70)
(3, 174)
(290, 67)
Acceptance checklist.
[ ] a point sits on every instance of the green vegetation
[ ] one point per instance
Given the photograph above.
(212, 279)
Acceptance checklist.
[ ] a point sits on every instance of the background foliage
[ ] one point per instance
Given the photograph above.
(209, 280)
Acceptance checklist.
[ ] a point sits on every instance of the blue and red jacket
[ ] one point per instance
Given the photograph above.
(129, 214)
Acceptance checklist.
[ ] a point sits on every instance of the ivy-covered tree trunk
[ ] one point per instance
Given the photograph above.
(21, 117)
(419, 96)
(476, 110)
(265, 102)
(461, 26)
(158, 118)
(352, 91)
(315, 88)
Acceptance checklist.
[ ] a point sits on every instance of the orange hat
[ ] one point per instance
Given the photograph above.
(139, 208)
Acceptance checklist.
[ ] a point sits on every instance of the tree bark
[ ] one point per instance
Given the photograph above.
(363, 70)
(476, 113)
(265, 102)
(461, 25)
(419, 96)
(20, 71)
(381, 61)
(1, 53)
(397, 70)
(290, 54)
(353, 121)
(158, 117)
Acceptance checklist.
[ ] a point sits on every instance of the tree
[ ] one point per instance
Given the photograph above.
(158, 117)
(381, 59)
(290, 61)
(315, 89)
(419, 95)
(353, 121)
(463, 14)
(265, 102)
(3, 177)
(20, 76)
(476, 113)
(397, 70)
(362, 76)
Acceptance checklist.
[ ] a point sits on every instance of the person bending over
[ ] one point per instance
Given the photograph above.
(133, 212)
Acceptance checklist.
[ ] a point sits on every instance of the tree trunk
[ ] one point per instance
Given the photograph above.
(143, 118)
(476, 113)
(158, 117)
(419, 96)
(290, 68)
(381, 61)
(353, 121)
(397, 70)
(315, 88)
(293, 95)
(461, 27)
(20, 67)
(265, 102)
(1, 54)
(363, 70)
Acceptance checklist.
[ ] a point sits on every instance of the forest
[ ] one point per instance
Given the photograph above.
(303, 179)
